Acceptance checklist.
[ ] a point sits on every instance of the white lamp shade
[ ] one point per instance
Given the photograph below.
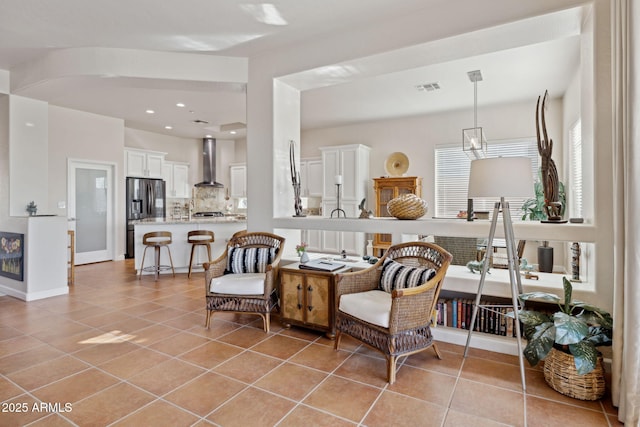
(501, 177)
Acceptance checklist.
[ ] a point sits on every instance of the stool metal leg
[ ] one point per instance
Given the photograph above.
(144, 253)
(156, 270)
(171, 261)
(193, 249)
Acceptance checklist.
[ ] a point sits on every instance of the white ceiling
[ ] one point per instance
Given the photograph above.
(518, 61)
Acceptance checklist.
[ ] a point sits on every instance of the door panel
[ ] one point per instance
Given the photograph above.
(317, 307)
(292, 296)
(91, 204)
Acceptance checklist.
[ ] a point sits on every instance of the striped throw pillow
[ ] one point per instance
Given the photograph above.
(249, 260)
(397, 276)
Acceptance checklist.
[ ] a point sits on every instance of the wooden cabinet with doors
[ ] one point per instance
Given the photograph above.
(306, 298)
(387, 189)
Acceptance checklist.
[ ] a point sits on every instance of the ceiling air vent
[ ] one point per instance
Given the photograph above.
(429, 87)
(203, 122)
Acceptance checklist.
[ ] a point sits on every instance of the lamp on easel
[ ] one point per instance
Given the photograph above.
(501, 177)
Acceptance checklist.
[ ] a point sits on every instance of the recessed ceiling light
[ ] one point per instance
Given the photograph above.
(233, 132)
(168, 127)
(149, 111)
(208, 136)
(180, 104)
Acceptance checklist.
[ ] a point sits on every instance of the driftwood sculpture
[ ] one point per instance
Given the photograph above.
(295, 180)
(549, 173)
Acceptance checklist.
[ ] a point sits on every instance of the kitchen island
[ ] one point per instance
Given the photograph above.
(222, 227)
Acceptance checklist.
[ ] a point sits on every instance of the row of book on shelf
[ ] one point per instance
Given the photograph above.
(491, 318)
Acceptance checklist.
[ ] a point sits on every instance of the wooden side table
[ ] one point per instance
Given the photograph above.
(307, 298)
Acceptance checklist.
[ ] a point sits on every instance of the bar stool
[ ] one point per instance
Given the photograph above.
(156, 240)
(199, 238)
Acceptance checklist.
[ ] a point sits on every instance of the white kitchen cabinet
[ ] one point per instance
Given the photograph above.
(337, 241)
(238, 180)
(143, 163)
(311, 177)
(313, 239)
(352, 163)
(176, 175)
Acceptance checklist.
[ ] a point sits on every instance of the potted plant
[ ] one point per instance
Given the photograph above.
(534, 210)
(575, 330)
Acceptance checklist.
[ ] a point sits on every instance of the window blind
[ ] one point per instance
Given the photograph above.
(575, 136)
(452, 176)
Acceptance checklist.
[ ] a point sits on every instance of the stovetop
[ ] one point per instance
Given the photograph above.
(211, 214)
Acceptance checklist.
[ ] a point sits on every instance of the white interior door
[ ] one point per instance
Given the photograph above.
(91, 205)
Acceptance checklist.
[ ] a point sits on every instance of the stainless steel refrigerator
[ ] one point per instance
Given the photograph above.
(145, 199)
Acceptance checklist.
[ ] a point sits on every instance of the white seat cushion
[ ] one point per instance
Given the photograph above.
(239, 284)
(371, 306)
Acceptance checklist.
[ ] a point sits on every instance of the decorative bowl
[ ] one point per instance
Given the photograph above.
(407, 206)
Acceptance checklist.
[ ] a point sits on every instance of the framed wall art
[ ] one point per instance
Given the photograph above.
(12, 255)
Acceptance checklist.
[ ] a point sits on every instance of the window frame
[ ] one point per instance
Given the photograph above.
(451, 176)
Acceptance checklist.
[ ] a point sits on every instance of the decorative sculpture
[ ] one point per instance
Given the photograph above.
(295, 180)
(549, 172)
(575, 262)
(364, 213)
(32, 208)
(474, 266)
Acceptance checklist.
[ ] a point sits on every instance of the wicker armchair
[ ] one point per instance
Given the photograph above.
(235, 284)
(396, 323)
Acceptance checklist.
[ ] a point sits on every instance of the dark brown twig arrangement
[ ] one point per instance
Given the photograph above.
(295, 180)
(549, 172)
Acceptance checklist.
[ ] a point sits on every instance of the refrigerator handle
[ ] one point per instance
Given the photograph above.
(148, 198)
(152, 196)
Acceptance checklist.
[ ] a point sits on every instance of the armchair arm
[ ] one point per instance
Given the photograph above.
(213, 269)
(413, 307)
(271, 277)
(357, 281)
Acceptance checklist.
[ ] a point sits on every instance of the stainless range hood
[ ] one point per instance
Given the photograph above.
(209, 164)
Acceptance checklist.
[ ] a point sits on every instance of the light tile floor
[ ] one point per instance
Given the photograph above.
(127, 352)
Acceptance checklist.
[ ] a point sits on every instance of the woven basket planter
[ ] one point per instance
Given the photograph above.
(561, 375)
(407, 206)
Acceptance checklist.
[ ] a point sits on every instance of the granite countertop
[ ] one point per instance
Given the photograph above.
(202, 220)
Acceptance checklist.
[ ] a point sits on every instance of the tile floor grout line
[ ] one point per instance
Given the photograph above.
(151, 293)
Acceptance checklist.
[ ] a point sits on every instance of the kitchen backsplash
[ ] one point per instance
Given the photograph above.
(209, 199)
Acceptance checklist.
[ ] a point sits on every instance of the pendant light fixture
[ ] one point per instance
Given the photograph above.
(474, 142)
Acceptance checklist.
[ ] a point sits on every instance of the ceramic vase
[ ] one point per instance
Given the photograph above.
(304, 258)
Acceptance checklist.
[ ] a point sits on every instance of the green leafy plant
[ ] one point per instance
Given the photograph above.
(577, 328)
(534, 208)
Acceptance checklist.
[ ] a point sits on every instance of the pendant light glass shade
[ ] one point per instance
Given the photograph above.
(474, 141)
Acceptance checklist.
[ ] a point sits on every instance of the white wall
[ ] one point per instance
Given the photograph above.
(28, 148)
(80, 135)
(340, 48)
(418, 136)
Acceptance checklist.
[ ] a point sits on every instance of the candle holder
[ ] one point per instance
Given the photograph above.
(337, 210)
